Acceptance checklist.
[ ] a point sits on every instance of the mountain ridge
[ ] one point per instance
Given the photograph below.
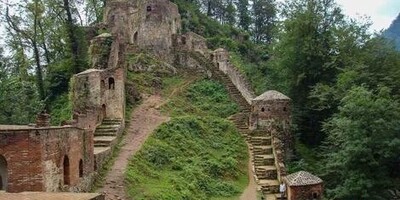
(393, 32)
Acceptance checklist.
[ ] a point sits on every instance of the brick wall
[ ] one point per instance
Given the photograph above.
(22, 151)
(279, 110)
(220, 57)
(35, 158)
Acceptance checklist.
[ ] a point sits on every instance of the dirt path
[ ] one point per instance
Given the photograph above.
(145, 119)
(250, 193)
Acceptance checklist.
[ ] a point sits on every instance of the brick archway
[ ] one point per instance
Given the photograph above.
(3, 173)
(66, 171)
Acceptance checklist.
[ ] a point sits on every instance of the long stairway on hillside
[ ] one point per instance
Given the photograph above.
(259, 141)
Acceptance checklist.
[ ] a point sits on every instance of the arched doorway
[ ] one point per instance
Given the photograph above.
(66, 170)
(135, 37)
(81, 168)
(111, 83)
(3, 173)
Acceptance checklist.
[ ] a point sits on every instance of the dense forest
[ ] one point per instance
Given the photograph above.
(344, 81)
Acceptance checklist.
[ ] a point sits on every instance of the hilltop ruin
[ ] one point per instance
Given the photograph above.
(66, 158)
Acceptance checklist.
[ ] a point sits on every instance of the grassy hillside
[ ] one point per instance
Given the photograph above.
(196, 155)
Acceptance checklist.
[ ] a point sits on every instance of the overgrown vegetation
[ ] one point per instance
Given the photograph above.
(319, 58)
(202, 98)
(196, 155)
(344, 82)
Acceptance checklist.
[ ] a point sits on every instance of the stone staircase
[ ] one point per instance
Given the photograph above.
(264, 162)
(259, 141)
(105, 137)
(224, 79)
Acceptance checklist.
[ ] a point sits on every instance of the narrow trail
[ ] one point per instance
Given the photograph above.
(250, 193)
(145, 119)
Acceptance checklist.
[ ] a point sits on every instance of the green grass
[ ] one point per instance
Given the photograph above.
(189, 158)
(198, 154)
(202, 98)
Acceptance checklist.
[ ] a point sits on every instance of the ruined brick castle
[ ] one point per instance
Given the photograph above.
(48, 158)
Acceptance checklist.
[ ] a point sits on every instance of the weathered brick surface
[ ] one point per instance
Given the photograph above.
(35, 157)
(49, 196)
(22, 151)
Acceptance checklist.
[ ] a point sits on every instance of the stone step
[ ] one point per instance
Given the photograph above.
(260, 133)
(104, 141)
(262, 160)
(109, 126)
(261, 150)
(274, 196)
(106, 129)
(269, 186)
(100, 134)
(266, 172)
(260, 141)
(111, 122)
(100, 150)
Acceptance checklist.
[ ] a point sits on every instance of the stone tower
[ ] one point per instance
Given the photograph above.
(270, 107)
(148, 25)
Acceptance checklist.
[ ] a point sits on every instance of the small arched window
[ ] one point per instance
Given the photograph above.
(81, 168)
(284, 109)
(148, 8)
(315, 195)
(262, 109)
(111, 83)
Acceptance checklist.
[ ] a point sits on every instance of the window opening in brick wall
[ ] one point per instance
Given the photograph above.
(3, 173)
(81, 168)
(66, 170)
(111, 83)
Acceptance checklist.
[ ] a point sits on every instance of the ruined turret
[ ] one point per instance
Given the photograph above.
(270, 107)
(148, 25)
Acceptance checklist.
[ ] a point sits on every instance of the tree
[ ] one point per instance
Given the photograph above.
(94, 10)
(244, 15)
(305, 54)
(230, 16)
(362, 155)
(29, 34)
(264, 14)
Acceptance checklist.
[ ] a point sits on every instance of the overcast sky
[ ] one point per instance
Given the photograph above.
(381, 12)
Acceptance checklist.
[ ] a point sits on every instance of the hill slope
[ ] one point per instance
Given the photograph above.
(393, 32)
(196, 155)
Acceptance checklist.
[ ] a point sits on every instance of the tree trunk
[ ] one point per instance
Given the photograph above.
(39, 72)
(71, 32)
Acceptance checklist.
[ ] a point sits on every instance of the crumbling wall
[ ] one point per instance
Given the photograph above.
(266, 110)
(148, 25)
(35, 157)
(66, 142)
(102, 91)
(114, 95)
(191, 42)
(100, 50)
(22, 151)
